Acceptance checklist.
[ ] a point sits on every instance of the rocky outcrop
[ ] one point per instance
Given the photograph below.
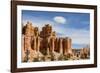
(43, 45)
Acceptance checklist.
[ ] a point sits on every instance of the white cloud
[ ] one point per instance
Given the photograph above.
(60, 19)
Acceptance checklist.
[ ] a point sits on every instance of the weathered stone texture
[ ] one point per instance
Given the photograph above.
(44, 44)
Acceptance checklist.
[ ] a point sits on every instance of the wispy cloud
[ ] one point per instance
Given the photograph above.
(77, 36)
(85, 22)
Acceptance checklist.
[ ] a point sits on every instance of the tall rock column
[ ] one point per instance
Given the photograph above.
(28, 34)
(60, 45)
(56, 45)
(52, 44)
(48, 45)
(27, 37)
(38, 44)
(67, 45)
(34, 41)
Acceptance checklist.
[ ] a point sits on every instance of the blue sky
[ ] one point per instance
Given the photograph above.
(66, 24)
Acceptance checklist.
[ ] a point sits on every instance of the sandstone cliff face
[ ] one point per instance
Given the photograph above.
(44, 45)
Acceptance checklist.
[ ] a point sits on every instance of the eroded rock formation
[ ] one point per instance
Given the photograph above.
(43, 45)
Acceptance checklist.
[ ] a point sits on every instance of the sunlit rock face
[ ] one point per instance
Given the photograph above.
(44, 45)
